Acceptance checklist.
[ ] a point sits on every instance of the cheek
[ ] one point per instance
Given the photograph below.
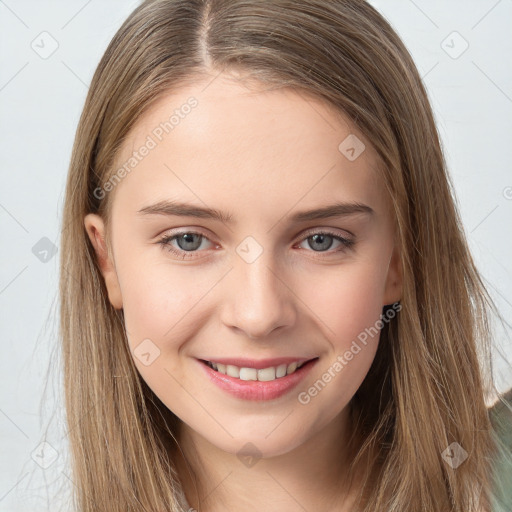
(160, 300)
(349, 304)
(161, 304)
(347, 300)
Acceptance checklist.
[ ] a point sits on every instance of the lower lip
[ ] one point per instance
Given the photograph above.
(258, 390)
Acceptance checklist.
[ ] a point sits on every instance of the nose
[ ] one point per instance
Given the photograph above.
(259, 300)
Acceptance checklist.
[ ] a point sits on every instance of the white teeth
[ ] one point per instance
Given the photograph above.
(263, 375)
(267, 374)
(281, 370)
(291, 368)
(248, 374)
(233, 371)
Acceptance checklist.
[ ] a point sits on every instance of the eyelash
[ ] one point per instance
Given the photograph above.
(166, 240)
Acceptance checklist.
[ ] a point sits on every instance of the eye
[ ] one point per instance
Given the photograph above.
(188, 242)
(322, 241)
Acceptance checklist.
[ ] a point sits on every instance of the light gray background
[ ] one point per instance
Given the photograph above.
(40, 103)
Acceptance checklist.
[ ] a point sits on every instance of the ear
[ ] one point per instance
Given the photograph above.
(393, 287)
(95, 228)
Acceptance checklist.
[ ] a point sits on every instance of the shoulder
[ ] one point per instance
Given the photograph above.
(500, 415)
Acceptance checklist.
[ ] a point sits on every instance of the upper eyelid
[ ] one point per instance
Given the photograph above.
(327, 230)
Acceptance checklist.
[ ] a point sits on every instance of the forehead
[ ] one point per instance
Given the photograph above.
(249, 148)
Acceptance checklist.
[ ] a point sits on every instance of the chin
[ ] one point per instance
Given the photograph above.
(258, 443)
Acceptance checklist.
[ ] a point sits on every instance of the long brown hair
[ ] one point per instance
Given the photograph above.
(431, 390)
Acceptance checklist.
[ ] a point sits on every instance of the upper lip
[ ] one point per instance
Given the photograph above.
(258, 364)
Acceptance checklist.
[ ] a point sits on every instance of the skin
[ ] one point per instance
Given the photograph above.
(261, 156)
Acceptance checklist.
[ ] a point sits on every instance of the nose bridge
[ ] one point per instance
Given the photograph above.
(258, 300)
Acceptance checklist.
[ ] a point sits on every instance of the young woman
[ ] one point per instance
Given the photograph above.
(268, 302)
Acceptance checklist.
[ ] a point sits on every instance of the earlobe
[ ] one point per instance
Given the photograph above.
(393, 289)
(95, 228)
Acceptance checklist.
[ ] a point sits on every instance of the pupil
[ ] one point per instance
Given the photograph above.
(321, 239)
(188, 242)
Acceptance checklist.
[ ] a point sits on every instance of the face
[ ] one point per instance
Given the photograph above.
(215, 258)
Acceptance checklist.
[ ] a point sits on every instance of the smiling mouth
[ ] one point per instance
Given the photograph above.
(264, 374)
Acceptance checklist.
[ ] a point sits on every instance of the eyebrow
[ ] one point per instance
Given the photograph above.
(180, 209)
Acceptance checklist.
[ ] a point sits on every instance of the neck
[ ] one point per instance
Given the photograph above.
(313, 476)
